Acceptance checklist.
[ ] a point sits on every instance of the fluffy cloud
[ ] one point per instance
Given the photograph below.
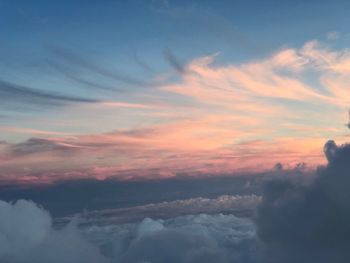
(309, 223)
(27, 236)
(193, 238)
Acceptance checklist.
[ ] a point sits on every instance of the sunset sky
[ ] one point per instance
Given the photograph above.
(157, 89)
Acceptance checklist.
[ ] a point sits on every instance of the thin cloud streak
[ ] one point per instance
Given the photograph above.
(174, 62)
(18, 95)
(34, 131)
(70, 58)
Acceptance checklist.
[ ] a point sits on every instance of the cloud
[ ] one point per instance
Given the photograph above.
(186, 239)
(66, 60)
(17, 96)
(221, 118)
(27, 236)
(174, 62)
(70, 74)
(332, 35)
(147, 198)
(298, 222)
(243, 205)
(38, 145)
(279, 76)
(32, 131)
(158, 152)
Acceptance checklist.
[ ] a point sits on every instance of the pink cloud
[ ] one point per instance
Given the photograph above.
(239, 117)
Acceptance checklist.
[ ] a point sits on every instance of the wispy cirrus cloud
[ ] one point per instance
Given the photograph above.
(283, 106)
(33, 131)
(18, 96)
(67, 61)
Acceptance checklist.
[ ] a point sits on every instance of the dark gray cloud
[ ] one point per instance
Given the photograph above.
(298, 222)
(16, 96)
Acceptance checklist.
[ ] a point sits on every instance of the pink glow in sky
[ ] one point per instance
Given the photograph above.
(215, 119)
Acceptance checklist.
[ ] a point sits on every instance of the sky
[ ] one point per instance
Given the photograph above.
(138, 90)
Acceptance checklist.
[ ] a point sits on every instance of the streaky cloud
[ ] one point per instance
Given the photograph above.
(174, 62)
(71, 58)
(67, 72)
(39, 145)
(17, 95)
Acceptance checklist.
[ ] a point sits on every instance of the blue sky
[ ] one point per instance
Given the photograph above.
(116, 29)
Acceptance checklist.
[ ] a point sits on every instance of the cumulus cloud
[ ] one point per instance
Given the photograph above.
(27, 236)
(309, 223)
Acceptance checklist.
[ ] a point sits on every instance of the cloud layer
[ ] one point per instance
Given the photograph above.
(191, 239)
(27, 236)
(297, 220)
(227, 204)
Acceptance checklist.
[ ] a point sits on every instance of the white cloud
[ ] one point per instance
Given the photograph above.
(186, 239)
(27, 236)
